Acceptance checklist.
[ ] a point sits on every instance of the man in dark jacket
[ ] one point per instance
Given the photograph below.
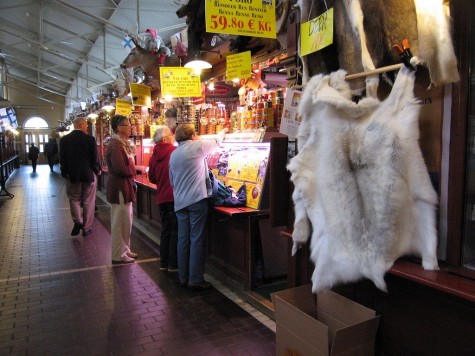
(51, 149)
(80, 166)
(33, 153)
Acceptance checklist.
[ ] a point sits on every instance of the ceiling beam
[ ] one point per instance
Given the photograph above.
(61, 55)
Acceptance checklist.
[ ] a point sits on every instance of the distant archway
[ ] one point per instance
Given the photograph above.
(35, 122)
(35, 130)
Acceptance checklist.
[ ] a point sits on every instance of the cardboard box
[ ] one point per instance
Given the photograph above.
(322, 324)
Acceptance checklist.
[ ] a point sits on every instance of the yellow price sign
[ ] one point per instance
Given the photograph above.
(179, 82)
(123, 107)
(254, 18)
(141, 95)
(238, 66)
(317, 33)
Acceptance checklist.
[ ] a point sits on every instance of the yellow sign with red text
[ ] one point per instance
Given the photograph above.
(255, 18)
(238, 66)
(179, 82)
(317, 33)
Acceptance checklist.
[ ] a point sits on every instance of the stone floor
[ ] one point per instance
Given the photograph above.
(60, 295)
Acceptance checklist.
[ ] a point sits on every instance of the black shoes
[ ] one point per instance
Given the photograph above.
(200, 286)
(76, 229)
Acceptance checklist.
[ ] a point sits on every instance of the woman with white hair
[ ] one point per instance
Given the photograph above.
(158, 174)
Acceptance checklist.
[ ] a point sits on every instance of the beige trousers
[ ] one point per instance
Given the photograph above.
(121, 228)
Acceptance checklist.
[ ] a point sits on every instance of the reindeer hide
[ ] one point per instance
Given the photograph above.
(366, 30)
(362, 190)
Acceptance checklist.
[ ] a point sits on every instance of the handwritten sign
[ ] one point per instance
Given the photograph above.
(254, 18)
(180, 82)
(238, 66)
(123, 107)
(141, 95)
(317, 33)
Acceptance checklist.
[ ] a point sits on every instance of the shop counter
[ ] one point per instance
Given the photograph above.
(233, 237)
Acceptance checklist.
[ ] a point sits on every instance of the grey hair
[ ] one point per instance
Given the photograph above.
(78, 121)
(159, 133)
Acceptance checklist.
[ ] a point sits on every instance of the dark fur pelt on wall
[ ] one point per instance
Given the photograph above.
(366, 30)
(194, 11)
(386, 23)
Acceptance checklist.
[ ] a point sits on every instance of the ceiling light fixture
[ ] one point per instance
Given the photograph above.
(108, 108)
(198, 64)
(92, 116)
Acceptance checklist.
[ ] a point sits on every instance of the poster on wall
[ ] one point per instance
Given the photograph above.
(290, 121)
(236, 164)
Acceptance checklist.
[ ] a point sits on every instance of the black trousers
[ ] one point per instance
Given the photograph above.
(169, 236)
(33, 164)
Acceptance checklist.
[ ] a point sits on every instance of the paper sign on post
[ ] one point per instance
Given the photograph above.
(254, 18)
(141, 95)
(290, 121)
(317, 33)
(179, 82)
(238, 66)
(123, 107)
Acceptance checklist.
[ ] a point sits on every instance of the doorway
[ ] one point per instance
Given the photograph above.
(39, 139)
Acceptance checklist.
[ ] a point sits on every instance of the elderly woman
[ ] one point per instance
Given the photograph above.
(158, 173)
(187, 176)
(121, 188)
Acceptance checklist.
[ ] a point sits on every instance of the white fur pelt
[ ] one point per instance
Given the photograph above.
(362, 191)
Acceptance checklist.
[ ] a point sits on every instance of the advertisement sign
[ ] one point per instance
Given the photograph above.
(123, 107)
(179, 82)
(290, 122)
(238, 66)
(317, 33)
(141, 95)
(255, 18)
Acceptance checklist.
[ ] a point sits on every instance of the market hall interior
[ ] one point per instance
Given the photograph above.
(60, 294)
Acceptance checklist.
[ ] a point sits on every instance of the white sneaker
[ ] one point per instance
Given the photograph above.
(126, 259)
(132, 254)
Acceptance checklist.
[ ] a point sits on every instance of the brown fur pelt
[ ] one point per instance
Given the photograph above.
(366, 30)
(386, 23)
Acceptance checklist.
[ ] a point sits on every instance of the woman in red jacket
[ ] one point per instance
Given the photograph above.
(159, 174)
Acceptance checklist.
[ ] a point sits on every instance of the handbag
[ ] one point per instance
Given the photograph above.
(222, 195)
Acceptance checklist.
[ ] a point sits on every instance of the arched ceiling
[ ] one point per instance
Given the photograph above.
(74, 47)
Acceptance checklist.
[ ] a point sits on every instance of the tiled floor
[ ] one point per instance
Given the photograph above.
(59, 295)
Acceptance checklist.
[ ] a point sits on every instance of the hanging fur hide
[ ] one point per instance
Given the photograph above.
(366, 30)
(362, 190)
(435, 41)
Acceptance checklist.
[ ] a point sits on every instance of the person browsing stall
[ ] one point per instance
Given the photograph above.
(121, 188)
(188, 173)
(158, 173)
